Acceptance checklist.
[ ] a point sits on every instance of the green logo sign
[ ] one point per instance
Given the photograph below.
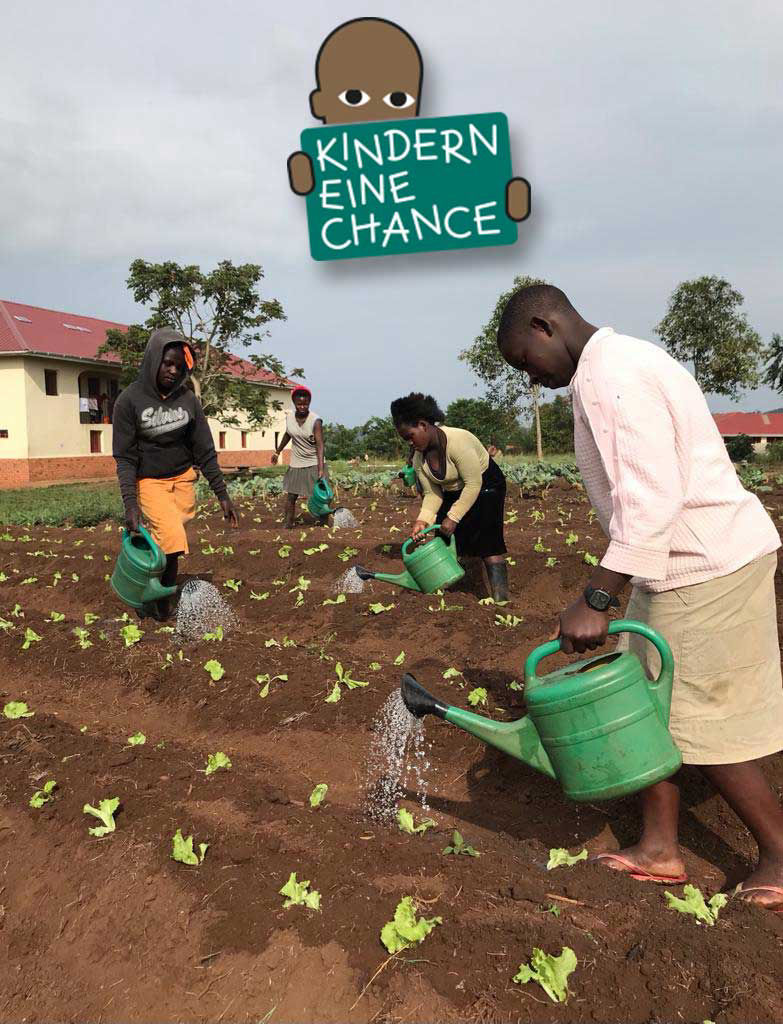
(383, 188)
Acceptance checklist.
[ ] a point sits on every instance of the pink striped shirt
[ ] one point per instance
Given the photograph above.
(656, 469)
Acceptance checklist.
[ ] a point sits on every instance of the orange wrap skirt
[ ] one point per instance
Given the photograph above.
(166, 505)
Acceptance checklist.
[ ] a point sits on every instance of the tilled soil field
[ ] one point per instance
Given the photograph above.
(113, 929)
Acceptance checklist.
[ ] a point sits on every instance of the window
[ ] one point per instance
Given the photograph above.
(3, 433)
(50, 382)
(244, 439)
(222, 439)
(95, 441)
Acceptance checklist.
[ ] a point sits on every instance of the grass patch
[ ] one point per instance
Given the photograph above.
(75, 504)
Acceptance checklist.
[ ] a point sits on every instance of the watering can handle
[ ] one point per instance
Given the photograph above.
(142, 531)
(617, 626)
(409, 541)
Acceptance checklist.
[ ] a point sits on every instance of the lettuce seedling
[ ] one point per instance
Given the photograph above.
(216, 761)
(56, 617)
(590, 559)
(561, 858)
(405, 930)
(378, 608)
(284, 551)
(30, 579)
(265, 680)
(551, 972)
(509, 621)
(705, 913)
(131, 634)
(459, 846)
(477, 696)
(43, 796)
(451, 673)
(375, 666)
(138, 739)
(105, 813)
(82, 636)
(90, 617)
(347, 553)
(215, 669)
(316, 551)
(405, 823)
(297, 894)
(233, 585)
(217, 635)
(318, 794)
(182, 850)
(571, 539)
(30, 637)
(340, 599)
(344, 676)
(400, 658)
(334, 695)
(17, 709)
(259, 597)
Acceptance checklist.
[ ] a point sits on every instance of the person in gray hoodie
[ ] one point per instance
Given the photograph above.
(160, 436)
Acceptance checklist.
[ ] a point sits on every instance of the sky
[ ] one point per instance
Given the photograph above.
(650, 134)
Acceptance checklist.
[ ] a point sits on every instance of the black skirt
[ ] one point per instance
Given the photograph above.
(480, 531)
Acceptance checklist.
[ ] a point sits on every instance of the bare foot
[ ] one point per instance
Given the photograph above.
(768, 873)
(661, 863)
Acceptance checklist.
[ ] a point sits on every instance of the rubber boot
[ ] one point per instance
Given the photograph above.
(497, 575)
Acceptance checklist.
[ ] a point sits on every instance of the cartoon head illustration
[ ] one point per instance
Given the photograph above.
(368, 69)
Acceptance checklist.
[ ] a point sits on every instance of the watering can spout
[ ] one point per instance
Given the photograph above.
(520, 739)
(403, 579)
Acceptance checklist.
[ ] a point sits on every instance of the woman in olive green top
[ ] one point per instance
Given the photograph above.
(464, 490)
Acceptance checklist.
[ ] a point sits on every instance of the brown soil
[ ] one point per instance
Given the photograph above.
(113, 929)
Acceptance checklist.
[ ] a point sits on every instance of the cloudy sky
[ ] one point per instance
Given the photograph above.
(651, 135)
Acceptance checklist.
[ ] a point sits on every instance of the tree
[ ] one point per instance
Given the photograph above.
(773, 370)
(218, 312)
(379, 437)
(703, 325)
(740, 448)
(505, 387)
(557, 425)
(489, 423)
(340, 442)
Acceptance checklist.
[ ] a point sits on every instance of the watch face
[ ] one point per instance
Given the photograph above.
(600, 600)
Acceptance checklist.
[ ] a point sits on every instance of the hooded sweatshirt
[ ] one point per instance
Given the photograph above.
(161, 436)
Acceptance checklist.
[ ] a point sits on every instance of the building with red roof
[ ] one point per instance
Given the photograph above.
(759, 426)
(57, 396)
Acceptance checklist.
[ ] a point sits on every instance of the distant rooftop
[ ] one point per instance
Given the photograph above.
(36, 331)
(754, 424)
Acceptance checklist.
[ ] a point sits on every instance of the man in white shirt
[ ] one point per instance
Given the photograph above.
(701, 553)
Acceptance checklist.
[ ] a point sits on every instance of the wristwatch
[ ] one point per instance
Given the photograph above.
(600, 600)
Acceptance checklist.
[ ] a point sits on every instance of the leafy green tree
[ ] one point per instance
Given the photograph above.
(489, 423)
(557, 425)
(219, 311)
(703, 325)
(340, 442)
(379, 437)
(505, 387)
(773, 369)
(740, 448)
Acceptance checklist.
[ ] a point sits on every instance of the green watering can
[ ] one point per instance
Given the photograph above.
(408, 475)
(318, 502)
(599, 727)
(136, 576)
(430, 567)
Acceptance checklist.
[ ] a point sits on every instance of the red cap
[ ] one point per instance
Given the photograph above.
(301, 387)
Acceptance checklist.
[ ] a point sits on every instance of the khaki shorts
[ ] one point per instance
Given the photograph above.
(166, 504)
(727, 700)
